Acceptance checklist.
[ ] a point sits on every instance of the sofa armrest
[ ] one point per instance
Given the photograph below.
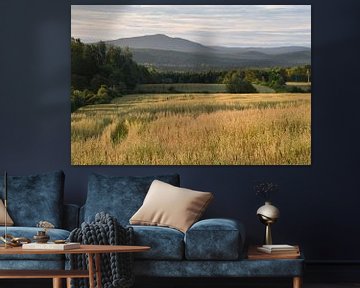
(215, 239)
(71, 216)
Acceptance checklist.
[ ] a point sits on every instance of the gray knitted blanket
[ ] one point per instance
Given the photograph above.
(116, 268)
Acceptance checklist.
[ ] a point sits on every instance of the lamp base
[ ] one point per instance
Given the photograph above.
(268, 237)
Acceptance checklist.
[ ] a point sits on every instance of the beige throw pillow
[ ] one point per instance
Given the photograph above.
(170, 206)
(9, 221)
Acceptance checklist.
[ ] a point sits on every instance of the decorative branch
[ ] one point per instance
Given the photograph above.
(265, 189)
(45, 225)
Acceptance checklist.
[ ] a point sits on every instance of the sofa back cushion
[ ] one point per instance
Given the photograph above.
(119, 196)
(35, 198)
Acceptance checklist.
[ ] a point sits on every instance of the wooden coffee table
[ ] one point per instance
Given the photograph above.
(92, 251)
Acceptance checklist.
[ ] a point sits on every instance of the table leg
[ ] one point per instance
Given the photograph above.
(98, 270)
(91, 270)
(297, 282)
(57, 283)
(68, 282)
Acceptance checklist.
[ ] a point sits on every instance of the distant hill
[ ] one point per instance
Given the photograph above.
(167, 53)
(265, 50)
(160, 42)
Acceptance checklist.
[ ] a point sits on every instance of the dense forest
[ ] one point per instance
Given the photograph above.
(101, 72)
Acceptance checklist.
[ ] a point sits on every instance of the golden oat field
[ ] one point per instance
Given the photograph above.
(194, 129)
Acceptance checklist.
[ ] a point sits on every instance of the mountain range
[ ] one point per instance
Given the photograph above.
(167, 53)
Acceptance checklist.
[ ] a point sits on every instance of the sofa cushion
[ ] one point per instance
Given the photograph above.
(214, 239)
(9, 221)
(165, 243)
(29, 232)
(121, 197)
(169, 206)
(35, 198)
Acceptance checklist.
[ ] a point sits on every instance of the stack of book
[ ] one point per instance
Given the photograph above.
(274, 252)
(279, 249)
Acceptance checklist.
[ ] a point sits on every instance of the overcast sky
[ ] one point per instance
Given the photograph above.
(220, 25)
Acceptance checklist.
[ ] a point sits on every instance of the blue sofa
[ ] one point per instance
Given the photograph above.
(210, 248)
(32, 199)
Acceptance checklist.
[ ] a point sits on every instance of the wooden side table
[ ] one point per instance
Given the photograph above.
(254, 254)
(93, 251)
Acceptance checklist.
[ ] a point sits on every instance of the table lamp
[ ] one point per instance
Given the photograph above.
(5, 205)
(268, 214)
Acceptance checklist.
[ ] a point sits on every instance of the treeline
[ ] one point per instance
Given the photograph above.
(239, 80)
(100, 72)
(169, 77)
(272, 77)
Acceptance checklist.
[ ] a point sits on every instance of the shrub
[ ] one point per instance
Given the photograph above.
(235, 83)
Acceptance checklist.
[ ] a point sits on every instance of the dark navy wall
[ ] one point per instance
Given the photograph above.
(318, 203)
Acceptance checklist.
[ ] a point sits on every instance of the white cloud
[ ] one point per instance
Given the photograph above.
(236, 25)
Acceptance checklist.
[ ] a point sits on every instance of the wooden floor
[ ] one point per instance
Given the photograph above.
(339, 285)
(45, 283)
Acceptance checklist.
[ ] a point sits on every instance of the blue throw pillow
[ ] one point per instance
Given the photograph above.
(35, 198)
(121, 197)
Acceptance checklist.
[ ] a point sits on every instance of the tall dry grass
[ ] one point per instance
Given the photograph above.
(227, 129)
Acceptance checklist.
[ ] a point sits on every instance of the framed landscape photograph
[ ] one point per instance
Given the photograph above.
(190, 85)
